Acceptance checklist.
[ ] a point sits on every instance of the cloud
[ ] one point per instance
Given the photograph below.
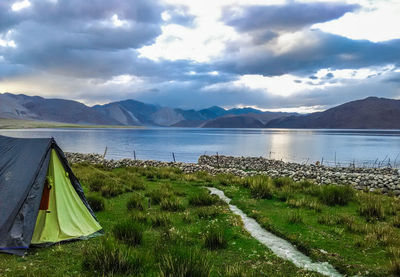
(306, 52)
(180, 15)
(82, 38)
(190, 55)
(290, 16)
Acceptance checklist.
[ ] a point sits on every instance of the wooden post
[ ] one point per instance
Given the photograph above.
(105, 152)
(217, 160)
(134, 155)
(173, 156)
(335, 158)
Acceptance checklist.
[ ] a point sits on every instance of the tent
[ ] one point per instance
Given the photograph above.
(41, 200)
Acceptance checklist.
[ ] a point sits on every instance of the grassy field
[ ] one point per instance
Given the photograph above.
(6, 123)
(357, 232)
(157, 222)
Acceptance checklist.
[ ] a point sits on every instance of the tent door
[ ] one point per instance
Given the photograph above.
(44, 203)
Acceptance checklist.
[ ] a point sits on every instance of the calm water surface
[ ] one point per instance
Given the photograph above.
(368, 147)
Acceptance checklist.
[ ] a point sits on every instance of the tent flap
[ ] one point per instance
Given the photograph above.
(67, 217)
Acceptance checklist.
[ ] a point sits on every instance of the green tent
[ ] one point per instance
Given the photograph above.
(66, 217)
(41, 200)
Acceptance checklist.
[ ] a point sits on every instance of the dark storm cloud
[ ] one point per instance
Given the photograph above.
(79, 37)
(324, 51)
(7, 17)
(289, 16)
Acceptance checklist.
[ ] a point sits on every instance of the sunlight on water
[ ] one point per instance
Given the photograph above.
(365, 147)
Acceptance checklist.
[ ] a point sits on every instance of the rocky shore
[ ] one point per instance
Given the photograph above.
(385, 179)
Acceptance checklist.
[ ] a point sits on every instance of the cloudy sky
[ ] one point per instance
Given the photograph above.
(272, 54)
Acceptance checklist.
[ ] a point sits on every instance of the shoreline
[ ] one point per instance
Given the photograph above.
(386, 180)
(10, 124)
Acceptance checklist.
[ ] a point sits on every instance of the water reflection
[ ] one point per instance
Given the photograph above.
(363, 146)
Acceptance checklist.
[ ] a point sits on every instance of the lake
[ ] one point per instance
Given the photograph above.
(332, 147)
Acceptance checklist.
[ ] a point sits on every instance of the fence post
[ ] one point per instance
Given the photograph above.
(335, 158)
(105, 152)
(217, 160)
(173, 156)
(134, 155)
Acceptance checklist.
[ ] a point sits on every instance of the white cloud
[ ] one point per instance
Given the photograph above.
(301, 109)
(118, 22)
(17, 6)
(178, 42)
(205, 41)
(378, 20)
(124, 79)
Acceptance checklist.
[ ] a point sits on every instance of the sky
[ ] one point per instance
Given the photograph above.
(277, 55)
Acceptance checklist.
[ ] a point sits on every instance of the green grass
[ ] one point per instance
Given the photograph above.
(215, 238)
(181, 261)
(160, 240)
(135, 202)
(96, 202)
(128, 231)
(357, 232)
(108, 257)
(160, 222)
(203, 199)
(336, 195)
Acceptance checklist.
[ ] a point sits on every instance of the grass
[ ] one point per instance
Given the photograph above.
(180, 261)
(160, 220)
(109, 258)
(171, 204)
(237, 271)
(260, 187)
(371, 208)
(207, 212)
(135, 202)
(395, 267)
(161, 193)
(357, 232)
(129, 232)
(295, 218)
(162, 240)
(332, 195)
(203, 199)
(215, 238)
(96, 202)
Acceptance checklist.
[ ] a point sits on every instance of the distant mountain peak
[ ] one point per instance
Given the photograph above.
(370, 112)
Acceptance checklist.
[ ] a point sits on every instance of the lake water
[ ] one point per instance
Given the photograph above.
(365, 147)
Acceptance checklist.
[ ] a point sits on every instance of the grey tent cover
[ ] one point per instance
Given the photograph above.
(23, 169)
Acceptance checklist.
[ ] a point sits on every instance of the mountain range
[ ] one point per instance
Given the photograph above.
(128, 113)
(372, 112)
(368, 113)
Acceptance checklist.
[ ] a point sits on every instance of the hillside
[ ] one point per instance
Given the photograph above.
(369, 113)
(138, 113)
(55, 110)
